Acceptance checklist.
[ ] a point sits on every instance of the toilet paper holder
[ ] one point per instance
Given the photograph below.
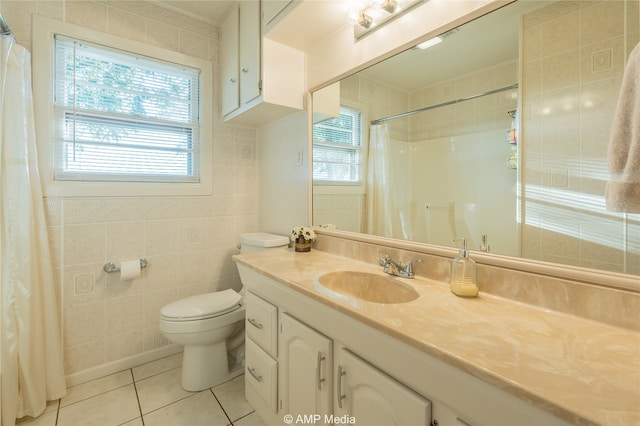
(111, 267)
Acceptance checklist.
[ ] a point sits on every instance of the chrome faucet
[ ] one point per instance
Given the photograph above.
(393, 267)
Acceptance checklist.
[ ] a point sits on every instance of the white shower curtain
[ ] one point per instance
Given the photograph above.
(31, 347)
(381, 202)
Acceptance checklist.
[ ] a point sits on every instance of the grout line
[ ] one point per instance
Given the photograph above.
(58, 412)
(221, 406)
(135, 388)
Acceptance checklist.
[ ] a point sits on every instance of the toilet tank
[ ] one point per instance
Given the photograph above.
(260, 241)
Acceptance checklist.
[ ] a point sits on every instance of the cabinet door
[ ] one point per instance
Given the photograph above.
(229, 59)
(262, 323)
(305, 383)
(271, 9)
(249, 51)
(371, 397)
(261, 377)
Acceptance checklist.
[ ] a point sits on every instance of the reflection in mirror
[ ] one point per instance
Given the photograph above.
(499, 134)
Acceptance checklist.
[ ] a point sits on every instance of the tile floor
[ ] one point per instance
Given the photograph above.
(149, 395)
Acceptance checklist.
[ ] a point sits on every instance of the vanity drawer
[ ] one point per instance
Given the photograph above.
(262, 323)
(261, 377)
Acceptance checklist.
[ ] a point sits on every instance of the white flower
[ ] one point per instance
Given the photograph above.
(305, 232)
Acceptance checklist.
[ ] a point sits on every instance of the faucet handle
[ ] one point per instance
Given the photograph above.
(384, 261)
(408, 267)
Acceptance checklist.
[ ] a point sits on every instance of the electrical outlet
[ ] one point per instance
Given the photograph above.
(83, 284)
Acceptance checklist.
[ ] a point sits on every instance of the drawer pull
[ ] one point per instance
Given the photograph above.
(319, 378)
(341, 397)
(255, 323)
(252, 371)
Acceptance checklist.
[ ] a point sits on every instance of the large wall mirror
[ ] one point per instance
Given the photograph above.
(497, 134)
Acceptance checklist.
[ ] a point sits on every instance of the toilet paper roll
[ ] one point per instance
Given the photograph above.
(129, 269)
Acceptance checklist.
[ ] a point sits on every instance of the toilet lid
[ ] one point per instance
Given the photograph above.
(202, 306)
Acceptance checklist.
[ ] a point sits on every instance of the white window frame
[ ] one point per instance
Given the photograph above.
(348, 187)
(44, 34)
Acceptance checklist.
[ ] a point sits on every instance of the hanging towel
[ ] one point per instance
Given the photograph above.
(622, 192)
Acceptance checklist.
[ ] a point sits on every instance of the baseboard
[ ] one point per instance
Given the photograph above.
(121, 364)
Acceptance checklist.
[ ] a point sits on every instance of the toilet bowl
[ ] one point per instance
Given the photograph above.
(211, 326)
(204, 324)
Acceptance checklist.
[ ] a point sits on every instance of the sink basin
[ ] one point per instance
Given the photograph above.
(367, 286)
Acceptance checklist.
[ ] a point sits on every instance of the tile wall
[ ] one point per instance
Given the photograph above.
(188, 241)
(573, 58)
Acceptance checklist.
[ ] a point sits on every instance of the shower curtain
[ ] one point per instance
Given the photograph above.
(31, 346)
(381, 200)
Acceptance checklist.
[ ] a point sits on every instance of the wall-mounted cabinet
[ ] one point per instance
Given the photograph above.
(261, 80)
(240, 56)
(272, 10)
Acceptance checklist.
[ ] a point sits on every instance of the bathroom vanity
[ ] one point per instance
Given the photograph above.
(457, 361)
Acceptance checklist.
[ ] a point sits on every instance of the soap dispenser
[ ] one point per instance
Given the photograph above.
(464, 279)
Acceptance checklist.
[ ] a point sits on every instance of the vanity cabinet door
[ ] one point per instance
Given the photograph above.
(261, 378)
(371, 397)
(262, 323)
(305, 379)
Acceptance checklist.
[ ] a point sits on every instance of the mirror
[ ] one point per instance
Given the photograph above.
(498, 134)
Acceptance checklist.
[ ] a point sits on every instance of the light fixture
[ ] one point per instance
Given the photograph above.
(377, 12)
(436, 40)
(365, 20)
(431, 42)
(389, 6)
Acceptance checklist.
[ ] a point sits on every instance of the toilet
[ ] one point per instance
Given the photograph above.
(211, 326)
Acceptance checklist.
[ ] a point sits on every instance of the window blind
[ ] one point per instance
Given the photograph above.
(336, 147)
(123, 117)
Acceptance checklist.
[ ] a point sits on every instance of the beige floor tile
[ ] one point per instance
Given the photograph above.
(134, 422)
(46, 419)
(251, 420)
(110, 408)
(96, 387)
(156, 367)
(160, 390)
(198, 409)
(231, 397)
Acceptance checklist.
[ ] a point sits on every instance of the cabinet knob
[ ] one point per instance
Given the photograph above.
(245, 70)
(233, 80)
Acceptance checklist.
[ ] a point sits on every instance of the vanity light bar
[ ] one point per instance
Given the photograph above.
(380, 12)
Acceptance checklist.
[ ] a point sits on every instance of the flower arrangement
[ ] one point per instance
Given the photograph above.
(304, 232)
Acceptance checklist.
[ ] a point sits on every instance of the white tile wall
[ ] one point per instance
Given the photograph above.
(188, 241)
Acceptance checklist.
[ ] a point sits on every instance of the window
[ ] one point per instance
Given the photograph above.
(123, 117)
(140, 124)
(336, 148)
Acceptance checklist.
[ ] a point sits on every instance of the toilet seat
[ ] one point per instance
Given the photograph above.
(202, 306)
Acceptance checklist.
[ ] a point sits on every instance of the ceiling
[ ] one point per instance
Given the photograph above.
(489, 40)
(484, 42)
